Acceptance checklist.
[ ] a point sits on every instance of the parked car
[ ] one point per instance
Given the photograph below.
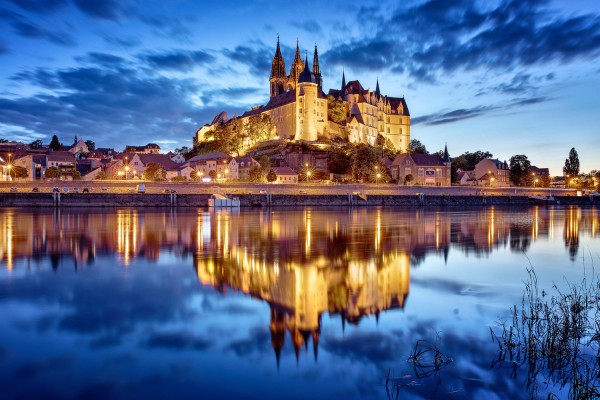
(85, 190)
(35, 190)
(13, 190)
(76, 190)
(131, 190)
(141, 188)
(55, 190)
(66, 190)
(104, 190)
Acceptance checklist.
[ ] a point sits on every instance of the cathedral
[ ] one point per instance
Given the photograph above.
(298, 108)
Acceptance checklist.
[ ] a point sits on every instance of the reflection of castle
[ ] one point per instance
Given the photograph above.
(299, 293)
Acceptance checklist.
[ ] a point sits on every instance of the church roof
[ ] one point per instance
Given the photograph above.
(277, 101)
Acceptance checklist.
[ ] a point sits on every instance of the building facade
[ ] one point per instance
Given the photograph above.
(298, 108)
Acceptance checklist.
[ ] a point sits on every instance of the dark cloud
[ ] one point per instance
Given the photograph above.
(167, 27)
(40, 6)
(258, 58)
(177, 341)
(453, 116)
(121, 41)
(105, 9)
(178, 60)
(3, 48)
(25, 28)
(104, 59)
(463, 35)
(446, 117)
(310, 26)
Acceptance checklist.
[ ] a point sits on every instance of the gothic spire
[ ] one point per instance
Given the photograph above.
(343, 91)
(278, 64)
(297, 64)
(316, 69)
(377, 92)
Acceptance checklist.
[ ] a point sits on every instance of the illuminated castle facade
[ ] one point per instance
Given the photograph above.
(298, 108)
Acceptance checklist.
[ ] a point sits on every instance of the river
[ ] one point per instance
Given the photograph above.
(277, 303)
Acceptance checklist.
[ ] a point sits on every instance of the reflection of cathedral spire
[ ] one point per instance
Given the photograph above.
(277, 328)
(315, 338)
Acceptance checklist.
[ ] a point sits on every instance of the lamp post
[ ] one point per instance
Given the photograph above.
(126, 172)
(533, 179)
(226, 173)
(307, 175)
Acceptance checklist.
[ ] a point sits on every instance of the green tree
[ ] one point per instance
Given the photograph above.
(408, 179)
(519, 170)
(336, 110)
(36, 144)
(259, 128)
(271, 176)
(52, 172)
(183, 150)
(417, 147)
(102, 175)
(340, 161)
(571, 167)
(76, 175)
(154, 172)
(256, 174)
(364, 164)
(91, 145)
(17, 171)
(265, 163)
(2, 140)
(212, 174)
(55, 143)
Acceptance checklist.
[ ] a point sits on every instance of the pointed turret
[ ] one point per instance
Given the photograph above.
(316, 70)
(377, 91)
(446, 158)
(343, 89)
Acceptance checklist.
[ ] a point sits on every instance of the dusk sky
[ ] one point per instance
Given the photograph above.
(509, 77)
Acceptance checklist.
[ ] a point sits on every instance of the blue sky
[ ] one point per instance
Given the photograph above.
(509, 77)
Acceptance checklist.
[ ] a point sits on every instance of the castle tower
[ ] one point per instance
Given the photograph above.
(278, 78)
(316, 70)
(306, 98)
(297, 68)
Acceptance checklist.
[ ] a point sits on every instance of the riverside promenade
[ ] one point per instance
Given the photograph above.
(124, 194)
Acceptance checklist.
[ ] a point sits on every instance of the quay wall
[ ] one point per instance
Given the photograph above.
(275, 200)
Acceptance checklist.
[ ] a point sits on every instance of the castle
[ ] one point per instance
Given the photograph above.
(298, 108)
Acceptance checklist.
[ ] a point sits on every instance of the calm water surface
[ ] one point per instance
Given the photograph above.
(137, 303)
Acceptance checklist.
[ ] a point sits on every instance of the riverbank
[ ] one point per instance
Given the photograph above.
(355, 199)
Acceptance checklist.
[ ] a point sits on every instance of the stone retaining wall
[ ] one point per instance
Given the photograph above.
(261, 200)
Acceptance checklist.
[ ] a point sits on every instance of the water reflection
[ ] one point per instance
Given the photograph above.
(165, 271)
(269, 238)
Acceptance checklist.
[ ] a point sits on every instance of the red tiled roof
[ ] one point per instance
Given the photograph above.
(284, 171)
(161, 159)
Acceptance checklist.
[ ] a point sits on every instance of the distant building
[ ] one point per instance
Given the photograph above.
(492, 172)
(285, 175)
(425, 169)
(150, 148)
(239, 167)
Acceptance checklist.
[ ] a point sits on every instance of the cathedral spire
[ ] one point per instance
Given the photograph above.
(446, 158)
(297, 65)
(278, 64)
(316, 70)
(377, 91)
(343, 90)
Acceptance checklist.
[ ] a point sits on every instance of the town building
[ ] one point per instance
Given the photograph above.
(150, 148)
(422, 169)
(285, 175)
(298, 108)
(492, 172)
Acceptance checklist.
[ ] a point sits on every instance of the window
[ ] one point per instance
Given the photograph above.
(420, 171)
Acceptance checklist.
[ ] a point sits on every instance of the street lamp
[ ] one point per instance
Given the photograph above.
(533, 178)
(307, 175)
(226, 173)
(120, 174)
(126, 172)
(535, 182)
